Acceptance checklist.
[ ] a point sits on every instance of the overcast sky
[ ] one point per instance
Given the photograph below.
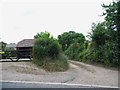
(22, 19)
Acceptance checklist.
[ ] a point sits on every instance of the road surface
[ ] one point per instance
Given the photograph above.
(24, 84)
(37, 85)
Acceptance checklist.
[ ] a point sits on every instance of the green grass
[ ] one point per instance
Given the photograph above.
(53, 65)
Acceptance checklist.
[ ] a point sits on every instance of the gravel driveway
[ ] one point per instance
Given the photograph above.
(78, 73)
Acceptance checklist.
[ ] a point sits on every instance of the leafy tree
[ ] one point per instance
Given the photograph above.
(104, 46)
(2, 46)
(42, 35)
(110, 15)
(112, 19)
(118, 31)
(99, 38)
(98, 34)
(68, 38)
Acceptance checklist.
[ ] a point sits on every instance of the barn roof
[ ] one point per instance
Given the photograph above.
(26, 43)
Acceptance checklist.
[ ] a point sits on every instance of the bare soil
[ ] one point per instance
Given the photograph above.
(78, 73)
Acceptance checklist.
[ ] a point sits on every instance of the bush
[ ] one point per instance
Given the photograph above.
(47, 53)
(73, 51)
(52, 65)
(5, 55)
(46, 47)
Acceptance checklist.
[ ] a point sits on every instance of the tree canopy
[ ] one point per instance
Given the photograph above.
(104, 37)
(68, 38)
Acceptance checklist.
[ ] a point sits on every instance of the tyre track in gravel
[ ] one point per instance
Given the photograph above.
(21, 71)
(94, 75)
(78, 73)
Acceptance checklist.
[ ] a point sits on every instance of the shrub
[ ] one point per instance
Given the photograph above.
(46, 47)
(47, 53)
(59, 64)
(73, 51)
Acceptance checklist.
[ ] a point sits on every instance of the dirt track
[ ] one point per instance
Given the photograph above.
(79, 73)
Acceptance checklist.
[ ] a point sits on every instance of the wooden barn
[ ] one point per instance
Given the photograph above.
(24, 48)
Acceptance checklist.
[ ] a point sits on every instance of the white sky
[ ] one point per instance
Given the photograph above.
(22, 19)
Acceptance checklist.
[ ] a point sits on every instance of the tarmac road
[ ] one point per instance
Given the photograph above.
(24, 84)
(37, 85)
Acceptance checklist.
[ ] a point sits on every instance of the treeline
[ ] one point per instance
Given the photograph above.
(104, 40)
(102, 46)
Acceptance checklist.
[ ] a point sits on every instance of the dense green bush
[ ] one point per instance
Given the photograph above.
(73, 51)
(103, 48)
(46, 47)
(47, 52)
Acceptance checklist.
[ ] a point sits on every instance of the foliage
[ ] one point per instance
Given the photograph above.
(118, 31)
(67, 38)
(2, 46)
(46, 53)
(110, 14)
(42, 35)
(74, 50)
(98, 34)
(72, 44)
(104, 46)
(46, 46)
(59, 64)
(3, 53)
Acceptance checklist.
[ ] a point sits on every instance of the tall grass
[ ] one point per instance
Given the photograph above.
(49, 64)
